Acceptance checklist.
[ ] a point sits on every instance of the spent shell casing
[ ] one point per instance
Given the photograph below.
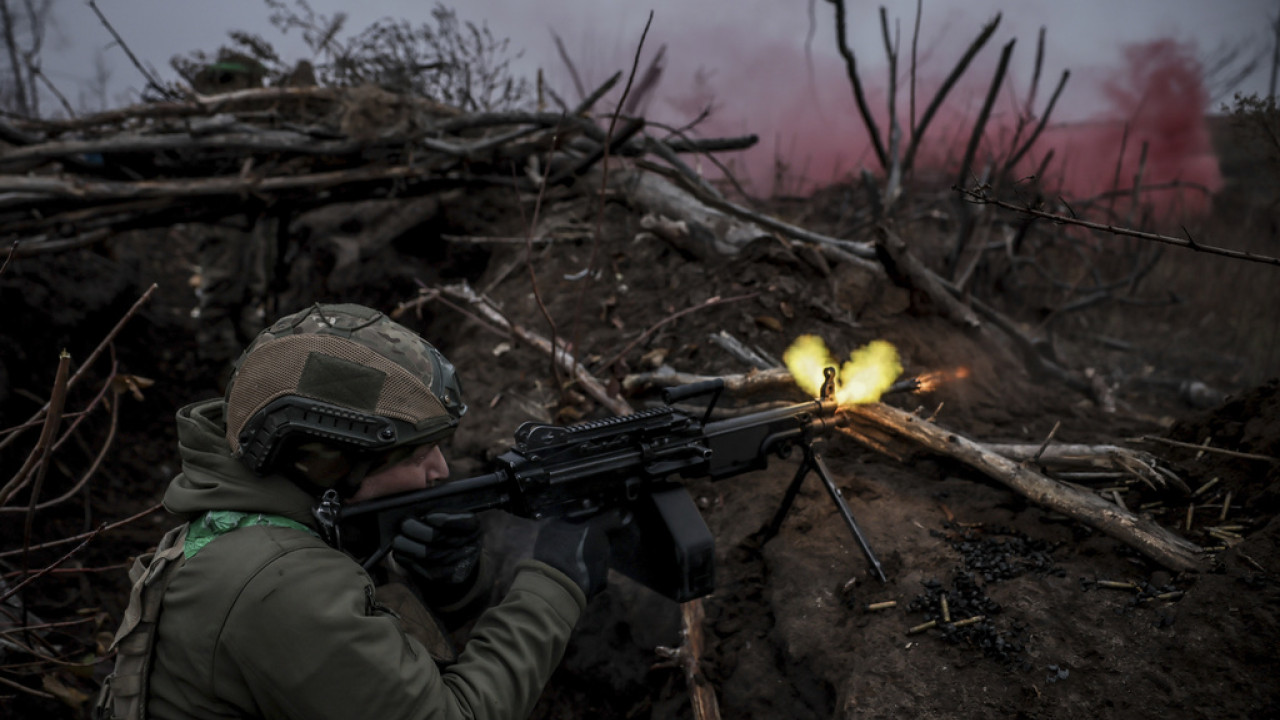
(922, 627)
(1223, 535)
(969, 621)
(1117, 585)
(1115, 495)
(882, 605)
(1205, 487)
(946, 609)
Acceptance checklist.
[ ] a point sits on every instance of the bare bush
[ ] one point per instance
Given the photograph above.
(23, 31)
(448, 60)
(1259, 117)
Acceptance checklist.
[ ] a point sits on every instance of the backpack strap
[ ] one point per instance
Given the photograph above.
(124, 692)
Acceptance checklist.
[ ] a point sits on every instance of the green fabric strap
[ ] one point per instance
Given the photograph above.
(220, 522)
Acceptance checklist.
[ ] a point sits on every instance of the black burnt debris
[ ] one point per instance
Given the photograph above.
(961, 611)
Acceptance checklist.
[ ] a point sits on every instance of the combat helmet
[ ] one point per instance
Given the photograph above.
(344, 378)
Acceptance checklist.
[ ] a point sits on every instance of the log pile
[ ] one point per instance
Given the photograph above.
(71, 183)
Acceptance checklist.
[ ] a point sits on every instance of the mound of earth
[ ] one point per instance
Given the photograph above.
(1044, 618)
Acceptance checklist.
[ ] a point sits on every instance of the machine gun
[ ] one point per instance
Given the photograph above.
(627, 462)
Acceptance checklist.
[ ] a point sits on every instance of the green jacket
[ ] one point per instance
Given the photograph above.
(270, 622)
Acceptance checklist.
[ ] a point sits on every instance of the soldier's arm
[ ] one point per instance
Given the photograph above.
(309, 640)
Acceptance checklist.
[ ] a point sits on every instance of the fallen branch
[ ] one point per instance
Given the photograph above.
(702, 695)
(711, 231)
(1148, 538)
(869, 423)
(903, 266)
(753, 357)
(861, 252)
(491, 314)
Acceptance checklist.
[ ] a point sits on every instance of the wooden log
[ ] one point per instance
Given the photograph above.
(702, 695)
(869, 423)
(905, 269)
(1148, 538)
(856, 253)
(712, 233)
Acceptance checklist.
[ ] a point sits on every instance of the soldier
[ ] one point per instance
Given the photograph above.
(232, 284)
(237, 256)
(245, 611)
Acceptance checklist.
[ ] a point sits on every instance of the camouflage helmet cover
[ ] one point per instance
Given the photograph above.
(350, 357)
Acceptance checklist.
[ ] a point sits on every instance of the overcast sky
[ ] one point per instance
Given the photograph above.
(718, 35)
(772, 65)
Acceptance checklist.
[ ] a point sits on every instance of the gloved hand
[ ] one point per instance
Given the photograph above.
(579, 549)
(442, 551)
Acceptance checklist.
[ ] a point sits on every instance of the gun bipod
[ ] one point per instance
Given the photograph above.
(814, 463)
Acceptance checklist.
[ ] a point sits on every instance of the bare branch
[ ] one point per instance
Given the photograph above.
(956, 72)
(152, 82)
(672, 318)
(15, 65)
(980, 125)
(93, 356)
(1044, 120)
(979, 197)
(75, 538)
(573, 69)
(851, 68)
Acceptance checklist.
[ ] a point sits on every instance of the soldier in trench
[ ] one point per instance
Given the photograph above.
(249, 609)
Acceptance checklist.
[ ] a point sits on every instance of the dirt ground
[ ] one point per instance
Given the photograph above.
(788, 629)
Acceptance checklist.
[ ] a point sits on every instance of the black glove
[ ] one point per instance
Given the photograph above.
(579, 549)
(442, 551)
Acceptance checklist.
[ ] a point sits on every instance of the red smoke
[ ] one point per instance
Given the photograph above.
(1160, 98)
(811, 135)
